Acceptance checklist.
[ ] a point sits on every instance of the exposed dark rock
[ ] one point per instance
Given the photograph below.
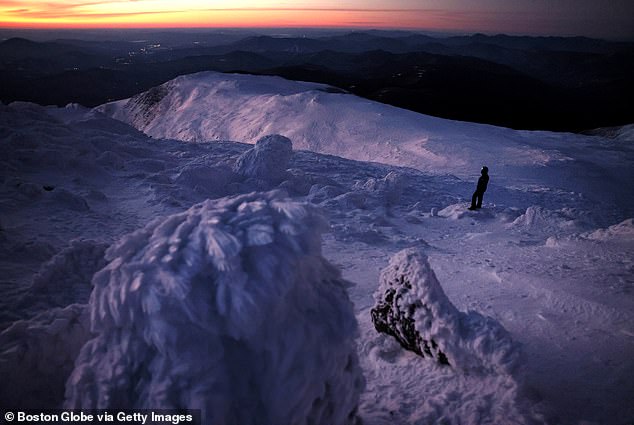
(412, 307)
(391, 318)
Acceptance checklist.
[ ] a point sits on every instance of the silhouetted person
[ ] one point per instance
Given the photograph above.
(483, 181)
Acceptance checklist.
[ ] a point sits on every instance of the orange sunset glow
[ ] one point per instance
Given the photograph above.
(584, 17)
(144, 13)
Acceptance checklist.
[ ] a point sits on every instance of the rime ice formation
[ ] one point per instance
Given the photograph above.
(228, 307)
(412, 306)
(267, 160)
(387, 190)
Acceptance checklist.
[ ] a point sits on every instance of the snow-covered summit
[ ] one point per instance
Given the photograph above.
(212, 106)
(548, 257)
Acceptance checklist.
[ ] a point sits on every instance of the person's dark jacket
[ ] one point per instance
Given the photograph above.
(483, 181)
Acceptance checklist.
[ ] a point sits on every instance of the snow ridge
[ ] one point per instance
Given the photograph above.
(228, 307)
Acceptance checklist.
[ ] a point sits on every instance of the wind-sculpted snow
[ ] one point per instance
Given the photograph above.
(37, 356)
(267, 160)
(228, 307)
(68, 274)
(622, 231)
(539, 219)
(386, 191)
(559, 279)
(412, 306)
(208, 181)
(460, 211)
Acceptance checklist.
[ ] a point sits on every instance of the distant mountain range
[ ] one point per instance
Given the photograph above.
(554, 83)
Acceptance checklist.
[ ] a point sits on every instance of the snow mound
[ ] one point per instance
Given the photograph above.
(411, 305)
(621, 134)
(210, 181)
(66, 277)
(539, 219)
(626, 133)
(37, 356)
(460, 211)
(267, 160)
(387, 191)
(321, 192)
(622, 231)
(228, 307)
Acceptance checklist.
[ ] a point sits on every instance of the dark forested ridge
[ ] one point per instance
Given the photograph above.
(555, 83)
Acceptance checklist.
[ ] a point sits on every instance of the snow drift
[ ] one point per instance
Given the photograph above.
(68, 272)
(621, 231)
(412, 306)
(228, 307)
(37, 356)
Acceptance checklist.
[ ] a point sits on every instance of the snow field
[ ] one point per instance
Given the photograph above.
(549, 257)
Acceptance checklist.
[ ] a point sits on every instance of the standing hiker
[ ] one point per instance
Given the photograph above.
(483, 181)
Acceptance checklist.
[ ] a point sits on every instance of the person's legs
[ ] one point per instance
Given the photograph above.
(480, 197)
(474, 200)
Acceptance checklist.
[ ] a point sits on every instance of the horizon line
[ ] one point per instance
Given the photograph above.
(351, 28)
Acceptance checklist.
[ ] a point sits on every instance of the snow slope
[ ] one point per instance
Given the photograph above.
(549, 258)
(212, 106)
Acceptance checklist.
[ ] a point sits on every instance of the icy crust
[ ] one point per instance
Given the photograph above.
(412, 306)
(228, 307)
(37, 356)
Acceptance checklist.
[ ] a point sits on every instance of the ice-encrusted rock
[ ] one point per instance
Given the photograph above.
(228, 307)
(412, 307)
(267, 160)
(387, 190)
